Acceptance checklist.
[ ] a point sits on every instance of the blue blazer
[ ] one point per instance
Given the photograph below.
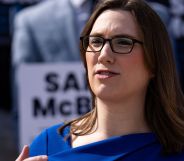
(133, 147)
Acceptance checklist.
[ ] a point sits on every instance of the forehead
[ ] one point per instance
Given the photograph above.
(116, 22)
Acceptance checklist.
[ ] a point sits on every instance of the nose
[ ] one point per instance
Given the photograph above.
(106, 54)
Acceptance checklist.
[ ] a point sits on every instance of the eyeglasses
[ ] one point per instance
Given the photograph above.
(118, 44)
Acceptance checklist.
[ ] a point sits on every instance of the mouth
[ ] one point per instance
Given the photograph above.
(103, 74)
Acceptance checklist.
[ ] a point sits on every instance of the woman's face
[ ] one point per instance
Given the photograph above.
(112, 76)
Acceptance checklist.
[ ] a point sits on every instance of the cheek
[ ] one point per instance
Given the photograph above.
(135, 66)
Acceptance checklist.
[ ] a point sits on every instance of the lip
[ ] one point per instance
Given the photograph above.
(105, 73)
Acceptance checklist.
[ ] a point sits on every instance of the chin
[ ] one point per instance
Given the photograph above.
(106, 95)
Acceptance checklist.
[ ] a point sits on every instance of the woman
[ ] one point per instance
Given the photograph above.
(138, 106)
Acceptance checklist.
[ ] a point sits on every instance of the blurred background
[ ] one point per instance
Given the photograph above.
(20, 43)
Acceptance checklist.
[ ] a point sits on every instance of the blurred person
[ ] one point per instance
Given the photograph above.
(47, 33)
(162, 8)
(177, 28)
(172, 13)
(137, 103)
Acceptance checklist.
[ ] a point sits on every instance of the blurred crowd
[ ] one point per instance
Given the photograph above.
(48, 31)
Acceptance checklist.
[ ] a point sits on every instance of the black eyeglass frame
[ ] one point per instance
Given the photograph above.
(110, 42)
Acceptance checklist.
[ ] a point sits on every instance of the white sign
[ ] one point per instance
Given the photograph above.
(49, 94)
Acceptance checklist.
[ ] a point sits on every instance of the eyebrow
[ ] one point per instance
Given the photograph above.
(116, 35)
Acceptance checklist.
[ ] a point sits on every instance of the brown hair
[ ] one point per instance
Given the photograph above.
(164, 107)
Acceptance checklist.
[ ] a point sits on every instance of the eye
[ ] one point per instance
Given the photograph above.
(95, 41)
(122, 42)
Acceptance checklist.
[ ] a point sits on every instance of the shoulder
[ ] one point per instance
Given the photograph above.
(49, 141)
(42, 11)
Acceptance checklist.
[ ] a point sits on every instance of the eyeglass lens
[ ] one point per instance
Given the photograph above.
(118, 44)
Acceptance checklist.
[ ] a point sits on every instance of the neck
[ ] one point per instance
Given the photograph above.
(121, 118)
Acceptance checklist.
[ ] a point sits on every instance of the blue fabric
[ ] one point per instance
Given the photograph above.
(133, 147)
